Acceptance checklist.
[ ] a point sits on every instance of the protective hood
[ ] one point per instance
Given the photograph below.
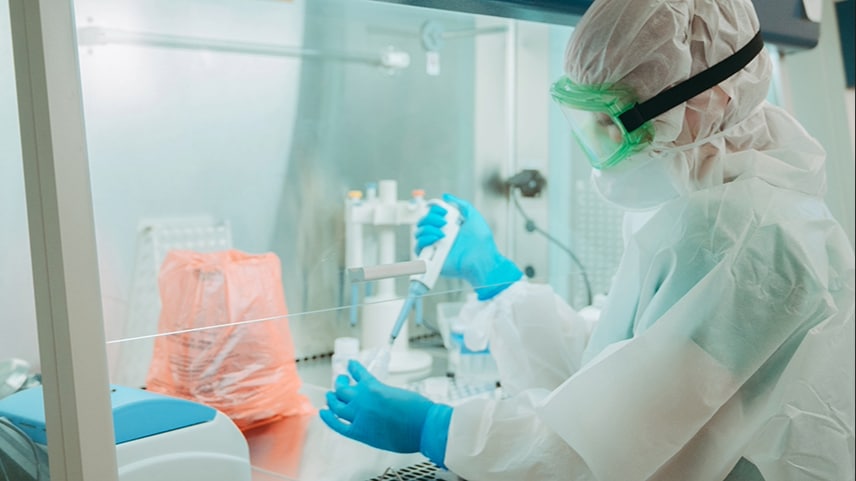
(651, 45)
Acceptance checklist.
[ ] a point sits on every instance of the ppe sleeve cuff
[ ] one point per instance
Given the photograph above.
(435, 433)
(502, 276)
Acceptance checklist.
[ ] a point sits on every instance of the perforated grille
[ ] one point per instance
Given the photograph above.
(598, 242)
(426, 471)
(456, 392)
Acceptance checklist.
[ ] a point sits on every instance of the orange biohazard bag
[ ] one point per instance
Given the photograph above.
(226, 341)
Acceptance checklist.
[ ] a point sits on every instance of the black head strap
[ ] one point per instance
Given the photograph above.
(689, 88)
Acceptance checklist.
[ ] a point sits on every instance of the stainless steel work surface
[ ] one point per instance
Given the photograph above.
(303, 448)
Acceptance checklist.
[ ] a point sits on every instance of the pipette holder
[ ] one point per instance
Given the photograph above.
(372, 222)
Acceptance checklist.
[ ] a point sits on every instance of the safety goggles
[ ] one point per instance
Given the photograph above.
(593, 113)
(610, 124)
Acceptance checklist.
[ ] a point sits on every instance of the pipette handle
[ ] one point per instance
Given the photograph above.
(435, 254)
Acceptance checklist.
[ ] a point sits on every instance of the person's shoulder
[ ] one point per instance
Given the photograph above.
(753, 202)
(784, 231)
(744, 213)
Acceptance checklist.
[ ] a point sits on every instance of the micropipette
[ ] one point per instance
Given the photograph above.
(434, 256)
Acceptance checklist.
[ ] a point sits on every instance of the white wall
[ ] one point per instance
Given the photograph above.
(850, 101)
(17, 305)
(170, 132)
(816, 94)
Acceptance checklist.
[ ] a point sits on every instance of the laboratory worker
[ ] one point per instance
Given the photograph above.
(725, 348)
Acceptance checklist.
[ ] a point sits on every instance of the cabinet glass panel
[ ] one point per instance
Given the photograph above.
(245, 125)
(247, 156)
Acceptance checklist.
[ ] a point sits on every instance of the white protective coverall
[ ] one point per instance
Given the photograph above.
(725, 349)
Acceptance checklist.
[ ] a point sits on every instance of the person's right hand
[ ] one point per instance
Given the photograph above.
(474, 256)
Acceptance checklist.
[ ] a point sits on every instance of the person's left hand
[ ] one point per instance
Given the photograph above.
(376, 414)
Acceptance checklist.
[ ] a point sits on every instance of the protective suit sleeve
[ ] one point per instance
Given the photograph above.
(720, 314)
(683, 370)
(536, 339)
(505, 440)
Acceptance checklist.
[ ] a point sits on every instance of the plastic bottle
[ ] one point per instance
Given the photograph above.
(344, 349)
(471, 368)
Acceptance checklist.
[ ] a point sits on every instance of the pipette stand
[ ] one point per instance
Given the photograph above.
(371, 224)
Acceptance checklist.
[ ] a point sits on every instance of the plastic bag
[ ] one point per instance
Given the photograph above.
(228, 344)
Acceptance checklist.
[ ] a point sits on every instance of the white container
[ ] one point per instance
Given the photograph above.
(13, 375)
(344, 349)
(447, 317)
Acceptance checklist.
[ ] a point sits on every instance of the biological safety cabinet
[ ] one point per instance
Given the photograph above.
(209, 125)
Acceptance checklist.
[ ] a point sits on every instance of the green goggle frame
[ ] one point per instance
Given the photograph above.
(625, 125)
(603, 101)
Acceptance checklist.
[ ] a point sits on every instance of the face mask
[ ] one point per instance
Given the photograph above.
(641, 182)
(652, 177)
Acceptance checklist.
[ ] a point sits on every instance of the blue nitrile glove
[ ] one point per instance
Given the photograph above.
(474, 256)
(386, 417)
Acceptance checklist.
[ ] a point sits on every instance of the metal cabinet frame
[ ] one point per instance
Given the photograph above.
(62, 242)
